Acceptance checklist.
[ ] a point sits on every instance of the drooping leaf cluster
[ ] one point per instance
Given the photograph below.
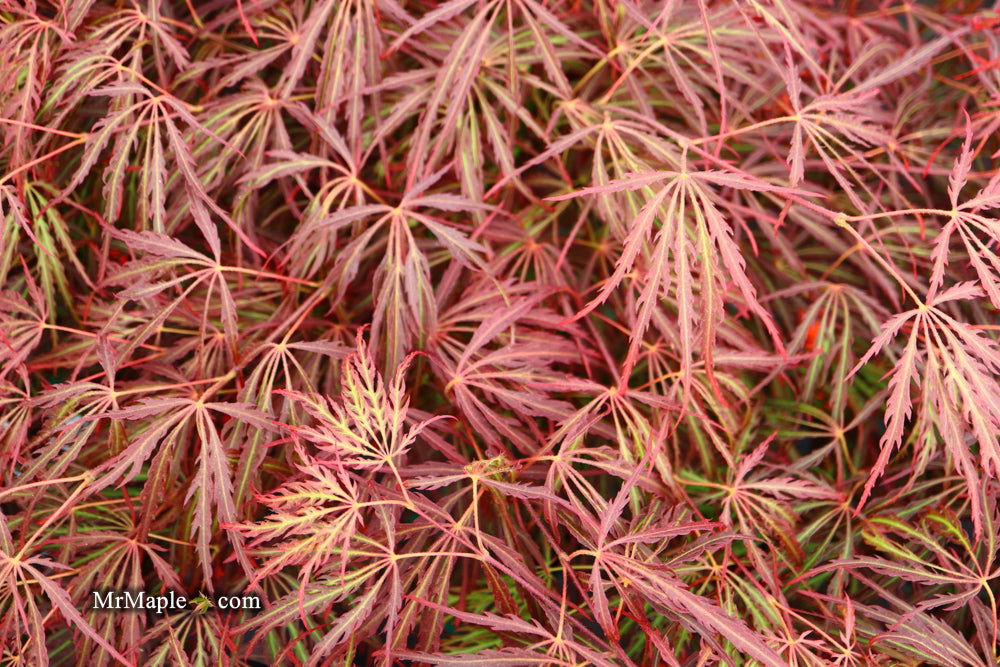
(500, 332)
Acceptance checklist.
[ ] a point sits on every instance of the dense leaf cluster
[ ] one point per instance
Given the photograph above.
(500, 332)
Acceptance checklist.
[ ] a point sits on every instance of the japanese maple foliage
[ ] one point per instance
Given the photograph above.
(500, 332)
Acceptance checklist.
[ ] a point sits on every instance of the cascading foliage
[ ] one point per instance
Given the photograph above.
(500, 332)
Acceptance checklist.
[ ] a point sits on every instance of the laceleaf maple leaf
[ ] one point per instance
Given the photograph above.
(141, 106)
(635, 562)
(13, 221)
(315, 517)
(21, 327)
(284, 363)
(757, 503)
(188, 637)
(454, 90)
(165, 438)
(687, 253)
(189, 270)
(505, 366)
(404, 303)
(937, 553)
(113, 557)
(366, 428)
(970, 221)
(920, 636)
(24, 567)
(955, 366)
(378, 562)
(32, 44)
(560, 648)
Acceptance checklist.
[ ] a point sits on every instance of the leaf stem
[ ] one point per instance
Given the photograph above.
(743, 130)
(841, 221)
(268, 274)
(43, 482)
(63, 133)
(43, 158)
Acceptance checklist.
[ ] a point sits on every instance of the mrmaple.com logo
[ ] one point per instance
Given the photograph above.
(169, 601)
